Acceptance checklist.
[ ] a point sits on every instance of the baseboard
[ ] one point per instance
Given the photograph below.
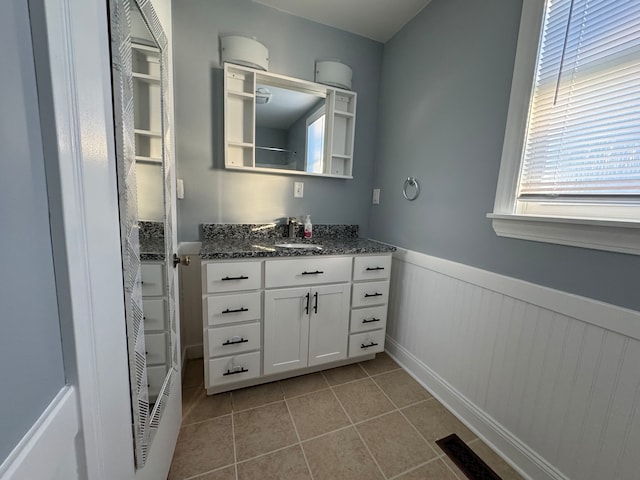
(524, 460)
(194, 351)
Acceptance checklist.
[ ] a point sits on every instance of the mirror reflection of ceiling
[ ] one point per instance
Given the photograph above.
(284, 108)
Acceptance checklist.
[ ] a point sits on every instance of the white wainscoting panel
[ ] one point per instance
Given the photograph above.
(550, 379)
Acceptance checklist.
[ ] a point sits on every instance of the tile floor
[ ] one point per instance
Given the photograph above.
(363, 421)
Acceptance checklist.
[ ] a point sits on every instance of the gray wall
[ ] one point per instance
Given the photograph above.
(213, 194)
(445, 91)
(31, 367)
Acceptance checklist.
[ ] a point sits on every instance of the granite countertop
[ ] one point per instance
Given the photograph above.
(151, 239)
(259, 240)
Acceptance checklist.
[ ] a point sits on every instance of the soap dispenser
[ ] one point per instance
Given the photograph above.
(308, 229)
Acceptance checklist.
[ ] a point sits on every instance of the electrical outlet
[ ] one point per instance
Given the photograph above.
(376, 196)
(298, 189)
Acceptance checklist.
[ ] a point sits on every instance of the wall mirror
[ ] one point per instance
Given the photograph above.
(280, 124)
(138, 57)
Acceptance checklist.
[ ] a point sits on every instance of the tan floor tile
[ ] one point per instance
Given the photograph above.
(381, 364)
(435, 470)
(401, 388)
(497, 464)
(263, 430)
(209, 406)
(288, 464)
(303, 384)
(317, 413)
(363, 399)
(395, 444)
(340, 455)
(434, 421)
(194, 373)
(228, 473)
(340, 375)
(202, 447)
(256, 396)
(189, 396)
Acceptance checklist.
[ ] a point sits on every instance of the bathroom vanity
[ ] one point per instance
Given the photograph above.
(272, 312)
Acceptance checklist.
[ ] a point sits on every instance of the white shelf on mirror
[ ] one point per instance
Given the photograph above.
(143, 159)
(146, 77)
(237, 93)
(147, 133)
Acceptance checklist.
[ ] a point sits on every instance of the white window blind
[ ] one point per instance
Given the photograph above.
(583, 131)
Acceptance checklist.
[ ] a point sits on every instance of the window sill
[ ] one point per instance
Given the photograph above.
(614, 236)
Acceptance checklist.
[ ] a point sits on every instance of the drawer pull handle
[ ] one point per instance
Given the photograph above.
(237, 310)
(374, 268)
(367, 295)
(235, 371)
(235, 340)
(373, 319)
(317, 272)
(372, 344)
(241, 277)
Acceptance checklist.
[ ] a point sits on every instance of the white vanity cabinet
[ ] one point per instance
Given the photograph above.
(306, 326)
(369, 304)
(232, 311)
(274, 318)
(156, 325)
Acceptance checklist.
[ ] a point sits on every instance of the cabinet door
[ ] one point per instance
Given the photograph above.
(286, 329)
(329, 323)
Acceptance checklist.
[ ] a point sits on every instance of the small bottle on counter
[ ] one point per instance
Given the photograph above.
(308, 228)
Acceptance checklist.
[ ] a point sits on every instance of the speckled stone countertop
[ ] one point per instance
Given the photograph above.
(151, 235)
(222, 241)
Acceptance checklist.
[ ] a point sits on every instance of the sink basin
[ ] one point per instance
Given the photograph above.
(302, 246)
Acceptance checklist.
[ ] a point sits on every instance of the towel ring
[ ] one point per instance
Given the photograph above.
(411, 182)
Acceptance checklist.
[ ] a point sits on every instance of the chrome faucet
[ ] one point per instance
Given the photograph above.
(293, 227)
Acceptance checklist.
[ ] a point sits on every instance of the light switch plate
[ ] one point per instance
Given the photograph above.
(180, 189)
(298, 189)
(376, 196)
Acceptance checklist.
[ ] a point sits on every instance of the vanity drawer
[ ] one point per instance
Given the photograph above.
(370, 293)
(241, 307)
(152, 279)
(232, 276)
(155, 312)
(365, 343)
(372, 267)
(233, 339)
(155, 345)
(245, 366)
(371, 318)
(307, 271)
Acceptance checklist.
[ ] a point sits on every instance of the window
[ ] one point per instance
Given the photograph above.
(570, 168)
(315, 141)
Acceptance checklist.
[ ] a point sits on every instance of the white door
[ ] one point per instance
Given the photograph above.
(329, 323)
(286, 329)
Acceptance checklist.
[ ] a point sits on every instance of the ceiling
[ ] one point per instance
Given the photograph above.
(375, 19)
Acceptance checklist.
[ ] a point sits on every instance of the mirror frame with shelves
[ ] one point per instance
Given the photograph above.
(240, 85)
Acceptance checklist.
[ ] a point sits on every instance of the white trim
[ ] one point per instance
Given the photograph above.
(604, 315)
(192, 352)
(519, 102)
(613, 236)
(522, 458)
(49, 439)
